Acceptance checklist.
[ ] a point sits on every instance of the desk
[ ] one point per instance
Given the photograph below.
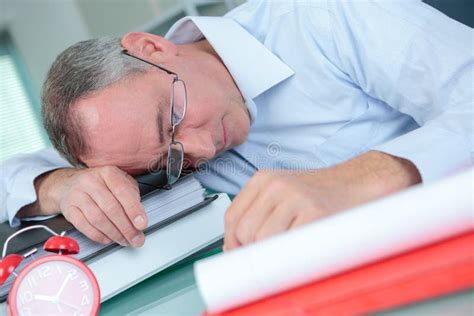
(170, 292)
(174, 292)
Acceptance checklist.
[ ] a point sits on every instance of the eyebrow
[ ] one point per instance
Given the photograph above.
(159, 120)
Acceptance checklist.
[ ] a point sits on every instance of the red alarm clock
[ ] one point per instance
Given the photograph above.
(52, 284)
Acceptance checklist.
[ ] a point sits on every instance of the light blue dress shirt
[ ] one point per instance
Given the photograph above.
(325, 81)
(328, 80)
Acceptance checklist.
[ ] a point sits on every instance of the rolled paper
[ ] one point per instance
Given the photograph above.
(415, 217)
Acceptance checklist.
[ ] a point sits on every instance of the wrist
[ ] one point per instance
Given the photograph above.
(48, 192)
(390, 173)
(49, 189)
(374, 175)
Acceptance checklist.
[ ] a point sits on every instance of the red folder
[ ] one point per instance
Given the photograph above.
(427, 272)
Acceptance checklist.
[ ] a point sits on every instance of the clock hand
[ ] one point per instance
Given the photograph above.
(58, 306)
(46, 298)
(52, 299)
(69, 304)
(61, 289)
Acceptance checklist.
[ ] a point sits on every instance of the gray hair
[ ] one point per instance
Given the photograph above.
(82, 69)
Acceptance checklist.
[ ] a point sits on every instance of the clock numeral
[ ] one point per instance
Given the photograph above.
(84, 285)
(85, 300)
(32, 281)
(44, 272)
(58, 268)
(26, 297)
(25, 311)
(73, 274)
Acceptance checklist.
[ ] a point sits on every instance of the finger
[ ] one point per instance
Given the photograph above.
(133, 182)
(241, 202)
(78, 220)
(255, 215)
(126, 191)
(115, 213)
(97, 218)
(280, 220)
(308, 216)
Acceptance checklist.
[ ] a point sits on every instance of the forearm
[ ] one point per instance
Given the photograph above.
(46, 187)
(373, 175)
(17, 188)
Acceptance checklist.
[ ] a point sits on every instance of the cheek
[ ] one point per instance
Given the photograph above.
(205, 102)
(151, 154)
(200, 115)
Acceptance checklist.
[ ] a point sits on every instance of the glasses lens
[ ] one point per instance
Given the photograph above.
(175, 162)
(179, 102)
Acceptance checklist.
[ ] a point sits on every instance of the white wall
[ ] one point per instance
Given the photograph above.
(40, 30)
(114, 18)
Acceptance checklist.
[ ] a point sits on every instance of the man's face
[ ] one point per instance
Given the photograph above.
(128, 123)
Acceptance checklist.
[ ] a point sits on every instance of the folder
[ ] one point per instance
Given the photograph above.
(431, 271)
(174, 217)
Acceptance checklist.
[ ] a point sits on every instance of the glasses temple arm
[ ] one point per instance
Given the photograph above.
(169, 72)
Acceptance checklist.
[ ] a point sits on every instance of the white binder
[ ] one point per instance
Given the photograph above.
(122, 268)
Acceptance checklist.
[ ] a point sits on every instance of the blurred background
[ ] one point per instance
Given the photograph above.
(34, 32)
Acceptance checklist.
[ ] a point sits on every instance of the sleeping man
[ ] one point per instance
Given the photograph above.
(301, 108)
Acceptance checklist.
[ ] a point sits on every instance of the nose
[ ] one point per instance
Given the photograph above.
(198, 146)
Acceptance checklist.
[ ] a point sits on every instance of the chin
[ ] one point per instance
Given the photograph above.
(239, 139)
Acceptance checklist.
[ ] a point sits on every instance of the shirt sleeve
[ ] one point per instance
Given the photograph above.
(418, 61)
(17, 177)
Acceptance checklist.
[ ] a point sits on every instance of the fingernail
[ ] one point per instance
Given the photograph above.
(123, 243)
(139, 221)
(137, 240)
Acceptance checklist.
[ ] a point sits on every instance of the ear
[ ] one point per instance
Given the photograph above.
(146, 45)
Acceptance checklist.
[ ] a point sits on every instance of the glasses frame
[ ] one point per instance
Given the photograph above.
(173, 124)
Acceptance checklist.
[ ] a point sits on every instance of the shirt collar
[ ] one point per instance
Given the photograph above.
(254, 68)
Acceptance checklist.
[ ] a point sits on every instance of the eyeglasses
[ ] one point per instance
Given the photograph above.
(178, 104)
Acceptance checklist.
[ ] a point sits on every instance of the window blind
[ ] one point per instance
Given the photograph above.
(20, 127)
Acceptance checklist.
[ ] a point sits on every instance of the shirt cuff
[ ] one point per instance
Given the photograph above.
(37, 218)
(436, 152)
(22, 192)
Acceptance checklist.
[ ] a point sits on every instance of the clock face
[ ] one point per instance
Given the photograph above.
(56, 286)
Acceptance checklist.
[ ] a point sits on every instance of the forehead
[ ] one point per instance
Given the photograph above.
(121, 124)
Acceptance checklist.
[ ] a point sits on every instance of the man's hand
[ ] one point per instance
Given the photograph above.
(103, 203)
(275, 201)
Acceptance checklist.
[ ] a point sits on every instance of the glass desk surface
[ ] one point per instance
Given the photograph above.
(174, 292)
